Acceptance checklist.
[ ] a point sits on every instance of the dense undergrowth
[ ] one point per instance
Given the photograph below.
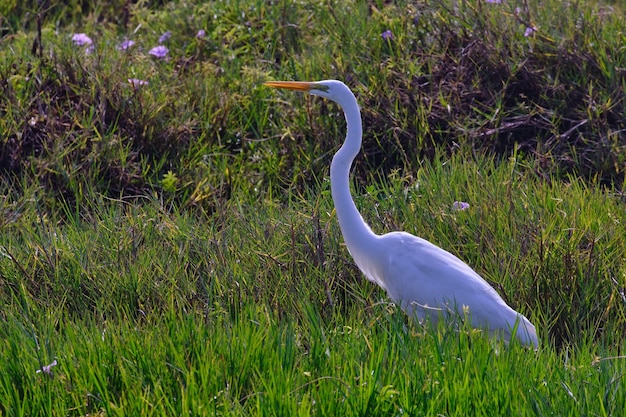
(492, 77)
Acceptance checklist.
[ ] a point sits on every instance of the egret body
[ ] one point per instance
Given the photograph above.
(426, 281)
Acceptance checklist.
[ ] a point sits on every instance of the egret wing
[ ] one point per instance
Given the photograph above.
(426, 280)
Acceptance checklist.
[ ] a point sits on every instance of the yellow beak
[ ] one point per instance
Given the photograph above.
(291, 85)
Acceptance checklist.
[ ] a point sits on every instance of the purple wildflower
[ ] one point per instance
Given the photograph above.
(159, 52)
(136, 82)
(201, 34)
(387, 35)
(47, 369)
(494, 1)
(165, 36)
(125, 45)
(460, 205)
(81, 39)
(529, 31)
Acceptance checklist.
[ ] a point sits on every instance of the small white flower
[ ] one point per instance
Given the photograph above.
(529, 31)
(47, 369)
(136, 82)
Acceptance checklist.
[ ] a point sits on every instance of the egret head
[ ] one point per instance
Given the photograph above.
(331, 89)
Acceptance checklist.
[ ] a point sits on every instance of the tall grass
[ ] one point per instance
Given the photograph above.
(254, 365)
(259, 310)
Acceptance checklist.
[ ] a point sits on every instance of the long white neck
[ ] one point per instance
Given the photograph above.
(353, 227)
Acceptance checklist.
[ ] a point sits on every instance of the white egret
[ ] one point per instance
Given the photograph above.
(423, 279)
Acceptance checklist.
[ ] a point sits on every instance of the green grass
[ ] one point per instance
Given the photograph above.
(259, 310)
(174, 246)
(256, 364)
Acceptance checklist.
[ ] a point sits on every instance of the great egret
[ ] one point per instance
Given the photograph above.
(423, 279)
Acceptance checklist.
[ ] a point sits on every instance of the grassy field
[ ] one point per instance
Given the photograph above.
(168, 244)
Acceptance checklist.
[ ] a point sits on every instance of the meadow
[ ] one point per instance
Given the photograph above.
(168, 243)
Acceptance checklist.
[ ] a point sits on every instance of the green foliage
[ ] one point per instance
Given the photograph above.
(258, 308)
(24, 15)
(169, 182)
(451, 75)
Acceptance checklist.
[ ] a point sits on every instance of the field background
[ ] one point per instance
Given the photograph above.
(168, 244)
